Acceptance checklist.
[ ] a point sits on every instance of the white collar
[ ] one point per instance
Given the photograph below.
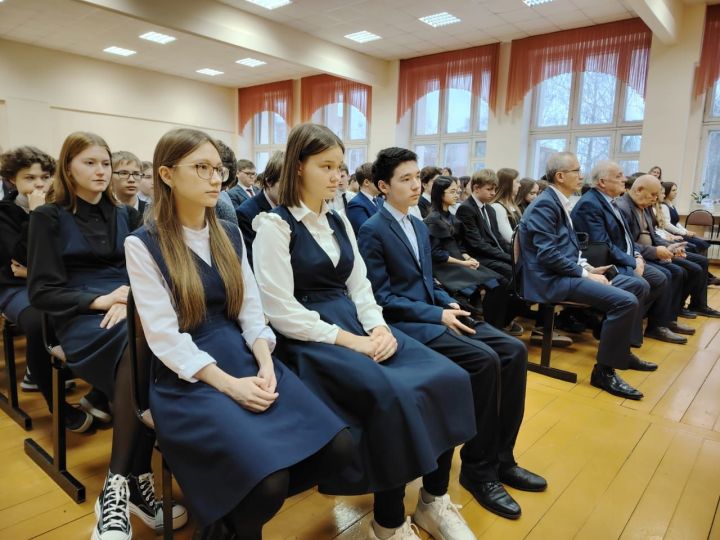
(302, 211)
(394, 212)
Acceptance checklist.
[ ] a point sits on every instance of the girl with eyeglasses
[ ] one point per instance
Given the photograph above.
(76, 265)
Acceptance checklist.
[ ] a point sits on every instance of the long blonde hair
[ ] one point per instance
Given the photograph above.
(187, 288)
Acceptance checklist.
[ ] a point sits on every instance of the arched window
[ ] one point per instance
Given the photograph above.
(711, 144)
(351, 125)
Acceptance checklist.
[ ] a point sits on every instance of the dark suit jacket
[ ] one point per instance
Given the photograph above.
(403, 287)
(478, 239)
(239, 195)
(593, 215)
(359, 209)
(425, 207)
(246, 212)
(549, 251)
(627, 208)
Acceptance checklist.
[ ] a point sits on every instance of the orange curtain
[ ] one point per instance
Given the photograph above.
(620, 48)
(320, 90)
(276, 97)
(708, 72)
(474, 70)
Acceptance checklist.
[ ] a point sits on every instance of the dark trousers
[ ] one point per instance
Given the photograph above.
(696, 269)
(619, 302)
(497, 365)
(659, 302)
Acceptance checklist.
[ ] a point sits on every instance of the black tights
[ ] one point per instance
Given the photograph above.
(36, 357)
(389, 508)
(266, 498)
(132, 442)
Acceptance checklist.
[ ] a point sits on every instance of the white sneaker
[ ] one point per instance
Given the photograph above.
(442, 519)
(111, 510)
(407, 531)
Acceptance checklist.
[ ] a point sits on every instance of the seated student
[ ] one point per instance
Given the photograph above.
(225, 208)
(145, 185)
(455, 269)
(245, 188)
(126, 177)
(399, 397)
(264, 201)
(427, 177)
(76, 265)
(687, 271)
(343, 195)
(29, 170)
(396, 249)
(367, 201)
(527, 192)
(506, 211)
(216, 379)
(597, 214)
(552, 270)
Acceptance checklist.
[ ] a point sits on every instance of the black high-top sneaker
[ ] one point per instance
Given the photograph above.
(112, 510)
(149, 510)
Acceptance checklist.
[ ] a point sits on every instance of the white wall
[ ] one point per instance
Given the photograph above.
(47, 94)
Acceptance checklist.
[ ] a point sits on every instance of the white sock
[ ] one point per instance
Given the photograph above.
(382, 532)
(426, 497)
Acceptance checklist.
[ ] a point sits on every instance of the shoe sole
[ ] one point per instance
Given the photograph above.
(178, 521)
(88, 407)
(530, 490)
(668, 340)
(489, 509)
(85, 425)
(436, 535)
(28, 388)
(96, 534)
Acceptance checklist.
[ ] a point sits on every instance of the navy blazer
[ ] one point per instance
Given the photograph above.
(627, 208)
(593, 215)
(478, 241)
(403, 287)
(246, 212)
(359, 209)
(549, 251)
(425, 207)
(239, 195)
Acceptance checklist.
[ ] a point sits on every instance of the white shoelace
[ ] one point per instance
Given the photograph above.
(408, 531)
(147, 489)
(115, 509)
(450, 514)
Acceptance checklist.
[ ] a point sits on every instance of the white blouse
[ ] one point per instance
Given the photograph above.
(674, 229)
(271, 257)
(506, 230)
(155, 306)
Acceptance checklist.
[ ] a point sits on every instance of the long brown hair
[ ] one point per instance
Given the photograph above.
(187, 288)
(63, 190)
(304, 140)
(504, 195)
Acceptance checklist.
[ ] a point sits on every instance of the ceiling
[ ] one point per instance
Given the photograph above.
(85, 29)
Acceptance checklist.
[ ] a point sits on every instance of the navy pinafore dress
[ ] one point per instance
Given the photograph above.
(404, 412)
(217, 450)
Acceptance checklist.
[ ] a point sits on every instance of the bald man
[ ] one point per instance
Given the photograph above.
(689, 271)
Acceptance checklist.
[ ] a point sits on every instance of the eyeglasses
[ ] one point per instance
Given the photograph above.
(249, 173)
(205, 171)
(572, 170)
(147, 176)
(124, 175)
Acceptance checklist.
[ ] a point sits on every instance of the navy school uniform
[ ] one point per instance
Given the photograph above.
(403, 412)
(218, 450)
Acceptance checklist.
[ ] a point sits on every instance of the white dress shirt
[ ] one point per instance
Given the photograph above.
(274, 273)
(407, 227)
(337, 204)
(155, 306)
(415, 211)
(567, 206)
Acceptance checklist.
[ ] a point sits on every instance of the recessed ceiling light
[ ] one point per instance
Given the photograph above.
(440, 19)
(157, 37)
(209, 71)
(270, 4)
(250, 62)
(536, 2)
(119, 51)
(363, 37)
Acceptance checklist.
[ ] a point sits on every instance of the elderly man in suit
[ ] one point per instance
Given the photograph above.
(366, 202)
(597, 214)
(689, 270)
(553, 270)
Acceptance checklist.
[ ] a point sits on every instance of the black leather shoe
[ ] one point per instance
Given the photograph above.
(493, 497)
(707, 311)
(522, 479)
(606, 379)
(687, 314)
(569, 323)
(661, 333)
(214, 531)
(641, 365)
(712, 280)
(680, 328)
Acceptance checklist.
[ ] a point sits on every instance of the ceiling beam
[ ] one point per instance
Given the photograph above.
(223, 23)
(663, 17)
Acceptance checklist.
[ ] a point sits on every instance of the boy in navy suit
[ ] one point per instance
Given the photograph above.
(366, 202)
(396, 249)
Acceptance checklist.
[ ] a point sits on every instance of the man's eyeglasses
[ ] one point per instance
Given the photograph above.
(572, 170)
(124, 175)
(205, 171)
(249, 173)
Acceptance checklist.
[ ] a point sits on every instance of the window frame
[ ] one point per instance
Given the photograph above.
(272, 146)
(710, 124)
(355, 144)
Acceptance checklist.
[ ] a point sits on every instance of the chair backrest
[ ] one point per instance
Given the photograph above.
(597, 253)
(516, 260)
(703, 218)
(140, 364)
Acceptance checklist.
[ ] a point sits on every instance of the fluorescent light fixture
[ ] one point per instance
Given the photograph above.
(250, 62)
(119, 51)
(157, 37)
(363, 37)
(209, 71)
(270, 4)
(536, 2)
(440, 19)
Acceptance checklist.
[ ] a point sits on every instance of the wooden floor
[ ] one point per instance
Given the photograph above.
(615, 468)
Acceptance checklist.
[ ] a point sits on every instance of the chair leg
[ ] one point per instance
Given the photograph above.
(167, 503)
(544, 367)
(9, 402)
(55, 466)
